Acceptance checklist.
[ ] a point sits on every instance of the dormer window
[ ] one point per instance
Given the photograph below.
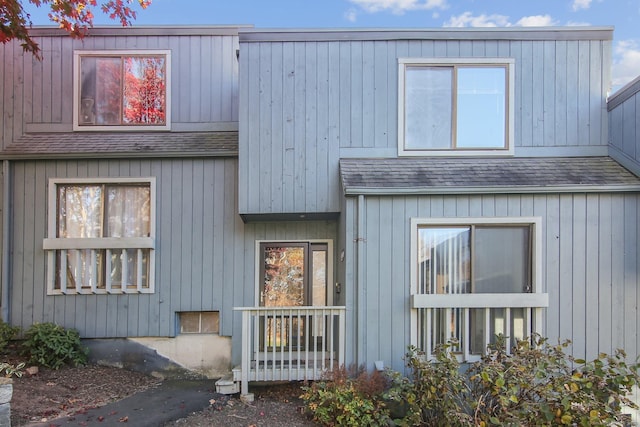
(461, 106)
(122, 90)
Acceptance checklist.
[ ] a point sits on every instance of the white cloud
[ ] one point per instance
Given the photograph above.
(577, 24)
(467, 19)
(351, 15)
(581, 4)
(626, 63)
(536, 21)
(399, 6)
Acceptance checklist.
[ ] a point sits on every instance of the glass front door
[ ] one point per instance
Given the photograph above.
(292, 274)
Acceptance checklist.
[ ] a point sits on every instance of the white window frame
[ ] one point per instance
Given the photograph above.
(77, 83)
(51, 244)
(509, 63)
(536, 299)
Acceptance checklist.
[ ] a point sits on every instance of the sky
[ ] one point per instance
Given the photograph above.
(623, 15)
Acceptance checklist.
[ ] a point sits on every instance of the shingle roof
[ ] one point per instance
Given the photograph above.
(123, 144)
(458, 175)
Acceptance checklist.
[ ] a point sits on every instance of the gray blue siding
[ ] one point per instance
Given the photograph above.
(624, 126)
(196, 222)
(37, 95)
(204, 253)
(245, 263)
(305, 103)
(590, 263)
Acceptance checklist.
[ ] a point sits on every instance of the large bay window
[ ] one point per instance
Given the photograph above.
(101, 236)
(455, 106)
(122, 90)
(474, 279)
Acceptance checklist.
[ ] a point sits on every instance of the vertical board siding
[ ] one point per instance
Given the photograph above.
(203, 85)
(624, 130)
(590, 263)
(306, 103)
(197, 228)
(245, 286)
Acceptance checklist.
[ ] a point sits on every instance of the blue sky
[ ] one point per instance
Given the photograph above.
(624, 15)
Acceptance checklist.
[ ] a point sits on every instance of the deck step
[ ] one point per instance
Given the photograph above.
(227, 386)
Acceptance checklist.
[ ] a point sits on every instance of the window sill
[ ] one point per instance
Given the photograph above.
(498, 152)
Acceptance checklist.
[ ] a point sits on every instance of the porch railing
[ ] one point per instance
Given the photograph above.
(290, 343)
(475, 319)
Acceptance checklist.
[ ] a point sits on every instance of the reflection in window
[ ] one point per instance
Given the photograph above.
(284, 275)
(474, 259)
(123, 90)
(454, 106)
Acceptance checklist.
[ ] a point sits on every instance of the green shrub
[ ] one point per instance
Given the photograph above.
(348, 399)
(536, 384)
(7, 333)
(540, 384)
(436, 392)
(53, 346)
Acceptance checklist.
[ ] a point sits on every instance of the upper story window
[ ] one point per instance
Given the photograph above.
(122, 90)
(101, 236)
(459, 106)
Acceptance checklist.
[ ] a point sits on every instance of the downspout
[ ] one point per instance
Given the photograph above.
(6, 200)
(361, 289)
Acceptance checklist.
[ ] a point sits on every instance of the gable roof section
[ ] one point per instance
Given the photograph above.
(122, 145)
(484, 175)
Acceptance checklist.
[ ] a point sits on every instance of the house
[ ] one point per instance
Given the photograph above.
(287, 201)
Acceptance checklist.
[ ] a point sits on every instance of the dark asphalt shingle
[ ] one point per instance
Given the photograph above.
(451, 173)
(119, 144)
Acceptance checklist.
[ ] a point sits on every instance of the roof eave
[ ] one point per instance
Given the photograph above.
(116, 155)
(440, 33)
(516, 189)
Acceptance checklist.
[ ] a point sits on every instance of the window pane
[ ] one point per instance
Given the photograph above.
(83, 268)
(129, 90)
(144, 90)
(283, 276)
(502, 260)
(124, 268)
(79, 211)
(108, 91)
(319, 293)
(477, 333)
(189, 322)
(87, 110)
(481, 101)
(81, 214)
(519, 325)
(498, 323)
(210, 322)
(128, 211)
(444, 260)
(428, 107)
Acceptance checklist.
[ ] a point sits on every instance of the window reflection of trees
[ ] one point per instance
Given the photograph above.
(283, 277)
(129, 90)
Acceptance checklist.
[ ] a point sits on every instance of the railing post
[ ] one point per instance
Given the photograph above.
(341, 338)
(246, 352)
